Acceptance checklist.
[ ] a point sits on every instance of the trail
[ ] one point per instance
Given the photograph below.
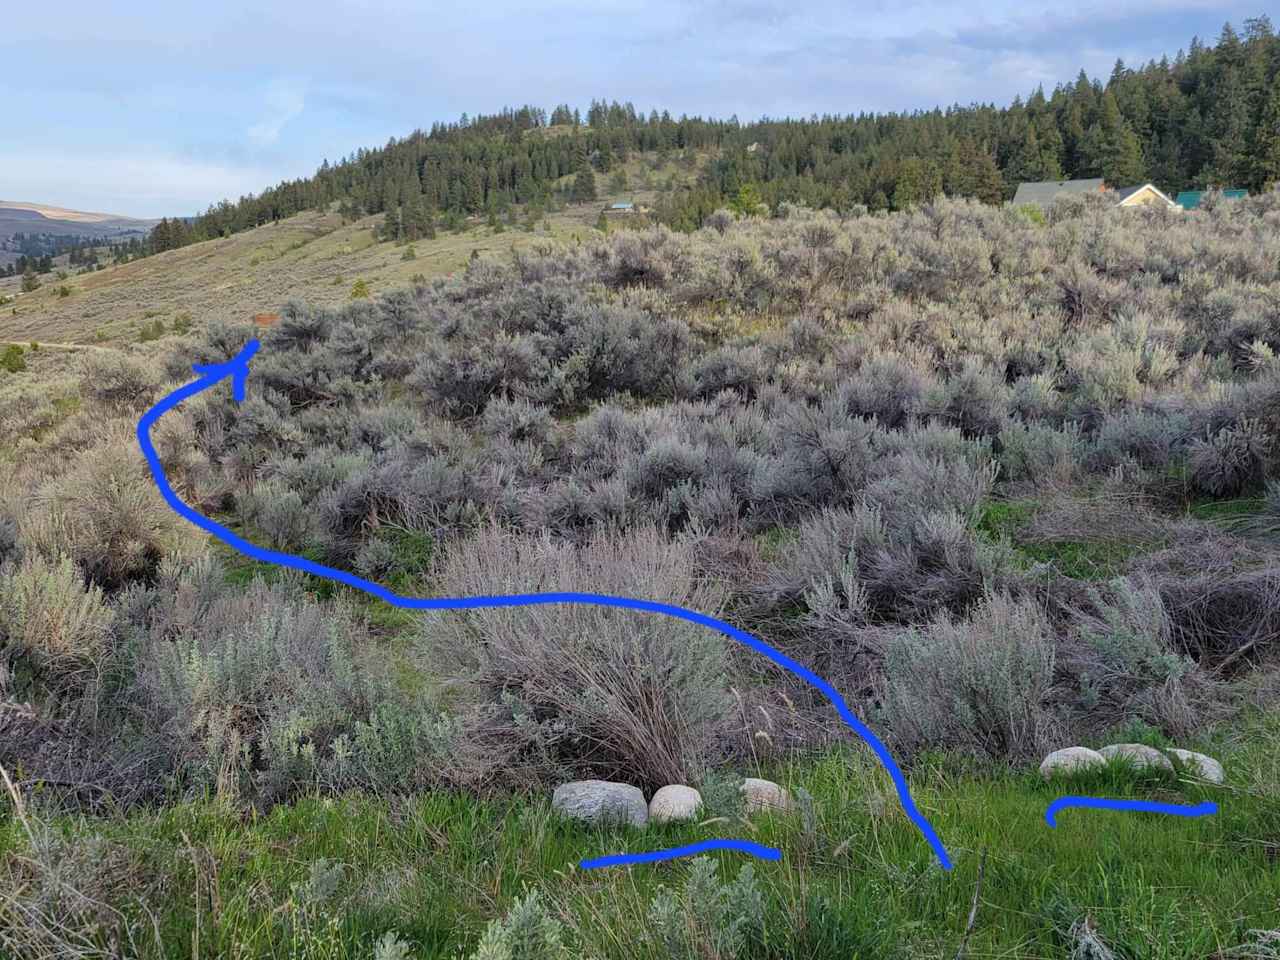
(58, 346)
(237, 369)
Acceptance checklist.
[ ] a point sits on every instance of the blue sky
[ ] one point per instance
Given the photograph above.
(148, 108)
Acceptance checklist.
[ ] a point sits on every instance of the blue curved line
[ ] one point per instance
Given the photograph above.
(743, 846)
(237, 368)
(1149, 806)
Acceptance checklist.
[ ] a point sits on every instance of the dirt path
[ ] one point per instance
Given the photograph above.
(57, 346)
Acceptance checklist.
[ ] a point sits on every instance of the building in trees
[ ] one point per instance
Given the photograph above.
(1043, 192)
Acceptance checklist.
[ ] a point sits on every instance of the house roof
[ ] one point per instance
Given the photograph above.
(1044, 191)
(625, 205)
(1190, 199)
(1124, 193)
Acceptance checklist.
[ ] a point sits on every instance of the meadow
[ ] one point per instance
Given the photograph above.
(1004, 477)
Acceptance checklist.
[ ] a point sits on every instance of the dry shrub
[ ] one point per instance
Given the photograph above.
(56, 895)
(1222, 596)
(106, 515)
(564, 687)
(1231, 461)
(51, 620)
(984, 684)
(114, 379)
(1107, 518)
(1123, 658)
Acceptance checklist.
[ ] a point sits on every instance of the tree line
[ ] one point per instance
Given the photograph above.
(1210, 116)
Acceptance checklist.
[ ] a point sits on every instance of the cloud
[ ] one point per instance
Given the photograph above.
(283, 103)
(146, 182)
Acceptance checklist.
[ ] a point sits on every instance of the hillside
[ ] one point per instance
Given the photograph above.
(46, 228)
(1209, 116)
(311, 256)
(1006, 482)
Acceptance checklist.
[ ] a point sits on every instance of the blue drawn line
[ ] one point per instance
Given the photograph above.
(744, 846)
(1150, 806)
(237, 368)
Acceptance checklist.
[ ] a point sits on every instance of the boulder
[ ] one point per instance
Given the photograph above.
(758, 795)
(675, 802)
(598, 801)
(1071, 760)
(1198, 765)
(1137, 755)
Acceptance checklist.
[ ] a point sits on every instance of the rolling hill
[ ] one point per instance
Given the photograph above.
(21, 217)
(311, 256)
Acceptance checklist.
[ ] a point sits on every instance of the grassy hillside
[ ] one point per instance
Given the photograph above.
(310, 257)
(1008, 482)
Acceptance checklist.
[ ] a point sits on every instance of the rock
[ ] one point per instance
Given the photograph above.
(601, 800)
(760, 795)
(1071, 760)
(675, 802)
(1198, 765)
(1138, 755)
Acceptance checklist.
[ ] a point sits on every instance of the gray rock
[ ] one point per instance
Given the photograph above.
(598, 801)
(1071, 760)
(675, 802)
(758, 795)
(1138, 755)
(1198, 765)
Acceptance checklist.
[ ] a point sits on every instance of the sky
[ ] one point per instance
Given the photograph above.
(150, 108)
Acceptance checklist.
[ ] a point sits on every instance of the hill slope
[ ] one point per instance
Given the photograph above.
(312, 257)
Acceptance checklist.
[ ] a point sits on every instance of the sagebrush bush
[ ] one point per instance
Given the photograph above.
(1231, 461)
(1125, 663)
(527, 932)
(107, 516)
(984, 684)
(260, 691)
(906, 571)
(52, 622)
(556, 687)
(707, 918)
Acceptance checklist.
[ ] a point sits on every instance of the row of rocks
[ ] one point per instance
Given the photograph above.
(1070, 760)
(595, 801)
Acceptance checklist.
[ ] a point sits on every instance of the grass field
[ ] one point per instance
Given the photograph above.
(330, 877)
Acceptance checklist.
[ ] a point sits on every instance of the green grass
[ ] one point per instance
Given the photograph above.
(856, 878)
(1226, 509)
(1078, 559)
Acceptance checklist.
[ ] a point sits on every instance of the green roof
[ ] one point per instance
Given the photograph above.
(1190, 199)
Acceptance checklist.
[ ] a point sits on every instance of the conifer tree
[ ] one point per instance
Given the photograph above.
(584, 185)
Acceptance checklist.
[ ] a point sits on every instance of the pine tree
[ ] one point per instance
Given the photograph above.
(1267, 162)
(392, 227)
(584, 185)
(414, 217)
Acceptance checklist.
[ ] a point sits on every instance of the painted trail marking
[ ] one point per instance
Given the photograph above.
(1150, 806)
(744, 846)
(237, 368)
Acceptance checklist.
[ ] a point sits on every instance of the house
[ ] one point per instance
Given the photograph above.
(622, 208)
(1042, 194)
(1143, 196)
(1190, 199)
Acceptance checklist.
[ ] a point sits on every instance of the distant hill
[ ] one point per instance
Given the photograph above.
(20, 217)
(40, 228)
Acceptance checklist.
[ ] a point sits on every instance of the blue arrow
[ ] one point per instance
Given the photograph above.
(237, 368)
